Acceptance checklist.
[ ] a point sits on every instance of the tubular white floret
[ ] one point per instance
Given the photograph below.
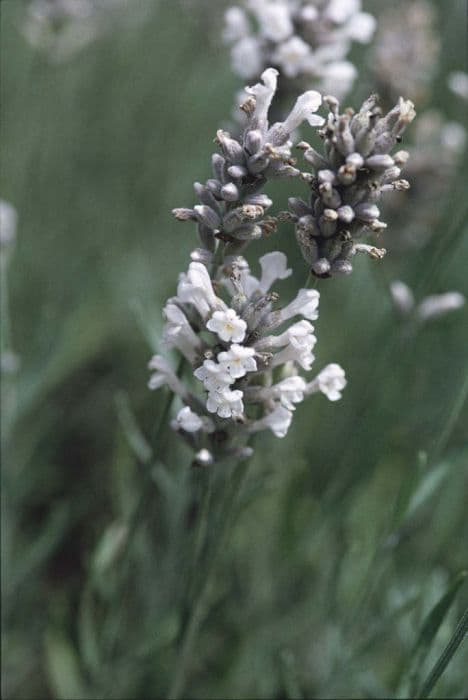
(331, 381)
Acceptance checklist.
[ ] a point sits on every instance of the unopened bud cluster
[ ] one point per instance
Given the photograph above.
(347, 182)
(232, 204)
(245, 355)
(307, 41)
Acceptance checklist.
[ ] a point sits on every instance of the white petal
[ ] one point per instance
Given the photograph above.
(274, 267)
(236, 24)
(309, 101)
(188, 420)
(440, 304)
(264, 94)
(402, 296)
(361, 27)
(246, 58)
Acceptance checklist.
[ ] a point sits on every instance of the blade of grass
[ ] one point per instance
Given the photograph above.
(131, 429)
(429, 631)
(452, 418)
(289, 675)
(445, 658)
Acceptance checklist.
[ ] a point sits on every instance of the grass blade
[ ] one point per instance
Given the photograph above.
(445, 658)
(430, 628)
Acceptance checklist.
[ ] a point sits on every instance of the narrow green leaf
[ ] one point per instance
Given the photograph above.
(88, 632)
(38, 551)
(289, 673)
(149, 327)
(408, 488)
(131, 429)
(445, 658)
(430, 628)
(63, 668)
(428, 486)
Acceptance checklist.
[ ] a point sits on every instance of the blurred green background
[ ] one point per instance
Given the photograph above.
(350, 530)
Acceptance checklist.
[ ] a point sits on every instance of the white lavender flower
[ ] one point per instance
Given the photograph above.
(226, 403)
(305, 304)
(431, 307)
(239, 351)
(237, 361)
(307, 41)
(331, 381)
(278, 421)
(163, 374)
(458, 83)
(406, 51)
(8, 224)
(438, 305)
(228, 326)
(402, 297)
(246, 58)
(274, 267)
(61, 28)
(178, 332)
(288, 392)
(232, 205)
(191, 422)
(349, 178)
(195, 288)
(215, 376)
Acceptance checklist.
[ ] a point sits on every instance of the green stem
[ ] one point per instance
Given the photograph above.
(311, 281)
(5, 337)
(233, 489)
(160, 439)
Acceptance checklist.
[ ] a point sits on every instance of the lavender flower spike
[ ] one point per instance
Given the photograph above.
(348, 180)
(232, 204)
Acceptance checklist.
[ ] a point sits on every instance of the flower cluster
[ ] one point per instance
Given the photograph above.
(245, 354)
(232, 205)
(61, 28)
(406, 51)
(307, 41)
(348, 180)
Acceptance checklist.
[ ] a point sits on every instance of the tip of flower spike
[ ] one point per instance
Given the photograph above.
(332, 102)
(183, 214)
(269, 76)
(321, 268)
(407, 110)
(203, 458)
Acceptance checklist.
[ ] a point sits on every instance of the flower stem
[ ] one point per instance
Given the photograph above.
(233, 488)
(311, 281)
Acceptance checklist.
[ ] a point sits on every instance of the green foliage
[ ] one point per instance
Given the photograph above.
(327, 566)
